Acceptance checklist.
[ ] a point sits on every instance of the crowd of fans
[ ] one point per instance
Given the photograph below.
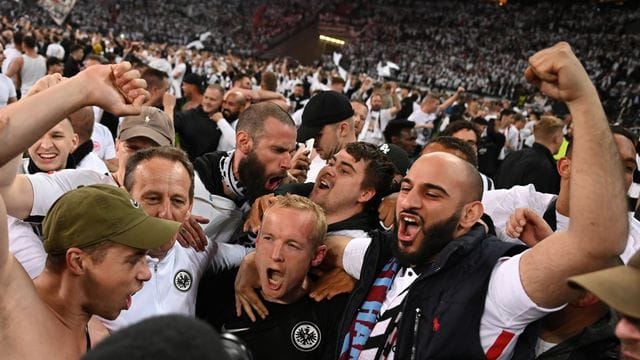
(321, 211)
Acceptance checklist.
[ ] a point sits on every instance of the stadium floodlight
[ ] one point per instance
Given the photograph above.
(332, 40)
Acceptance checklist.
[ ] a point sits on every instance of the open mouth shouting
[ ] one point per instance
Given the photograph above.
(273, 182)
(409, 226)
(274, 279)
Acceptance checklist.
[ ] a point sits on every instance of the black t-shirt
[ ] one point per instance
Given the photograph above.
(198, 133)
(303, 330)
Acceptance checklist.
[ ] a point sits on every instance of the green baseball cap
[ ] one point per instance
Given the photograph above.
(618, 286)
(92, 214)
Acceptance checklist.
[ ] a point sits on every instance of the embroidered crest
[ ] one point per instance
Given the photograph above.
(385, 148)
(306, 336)
(146, 120)
(134, 203)
(183, 280)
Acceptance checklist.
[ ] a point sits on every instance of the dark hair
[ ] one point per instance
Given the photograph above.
(239, 76)
(57, 262)
(379, 170)
(252, 120)
(395, 127)
(52, 60)
(464, 147)
(98, 58)
(162, 152)
(458, 125)
(17, 38)
(154, 77)
(337, 80)
(76, 47)
(29, 41)
(269, 81)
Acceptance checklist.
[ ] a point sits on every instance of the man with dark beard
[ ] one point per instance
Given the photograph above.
(265, 139)
(233, 104)
(441, 287)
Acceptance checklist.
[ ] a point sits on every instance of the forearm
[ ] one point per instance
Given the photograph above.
(263, 95)
(597, 181)
(445, 105)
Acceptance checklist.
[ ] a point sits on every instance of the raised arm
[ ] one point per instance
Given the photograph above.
(115, 88)
(598, 229)
(445, 105)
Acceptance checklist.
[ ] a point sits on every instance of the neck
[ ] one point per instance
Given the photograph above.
(61, 295)
(118, 176)
(569, 322)
(341, 215)
(562, 205)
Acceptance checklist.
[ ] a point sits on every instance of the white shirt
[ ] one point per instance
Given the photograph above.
(374, 126)
(92, 162)
(7, 90)
(507, 310)
(26, 246)
(176, 79)
(223, 214)
(103, 144)
(173, 286)
(10, 54)
(422, 118)
(228, 138)
(501, 204)
(511, 134)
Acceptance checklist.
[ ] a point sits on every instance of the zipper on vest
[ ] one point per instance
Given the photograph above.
(416, 327)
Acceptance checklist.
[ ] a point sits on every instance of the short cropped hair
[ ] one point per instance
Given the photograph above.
(301, 203)
(464, 147)
(547, 127)
(252, 120)
(269, 81)
(458, 125)
(162, 152)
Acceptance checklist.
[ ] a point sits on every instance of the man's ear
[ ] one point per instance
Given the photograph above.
(75, 260)
(564, 167)
(244, 143)
(75, 140)
(343, 129)
(471, 213)
(366, 195)
(319, 254)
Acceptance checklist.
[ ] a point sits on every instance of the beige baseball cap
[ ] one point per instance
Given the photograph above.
(618, 287)
(152, 123)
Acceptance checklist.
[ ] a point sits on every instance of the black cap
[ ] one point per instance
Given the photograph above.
(327, 107)
(397, 156)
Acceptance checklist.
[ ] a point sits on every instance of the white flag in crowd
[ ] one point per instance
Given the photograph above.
(58, 9)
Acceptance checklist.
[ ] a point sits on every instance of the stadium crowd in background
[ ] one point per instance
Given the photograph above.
(328, 211)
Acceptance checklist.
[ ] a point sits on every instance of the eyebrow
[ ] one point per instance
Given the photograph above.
(426, 186)
(344, 163)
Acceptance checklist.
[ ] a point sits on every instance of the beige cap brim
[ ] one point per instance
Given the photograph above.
(147, 132)
(618, 287)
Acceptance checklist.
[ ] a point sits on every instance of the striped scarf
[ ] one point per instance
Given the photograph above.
(368, 313)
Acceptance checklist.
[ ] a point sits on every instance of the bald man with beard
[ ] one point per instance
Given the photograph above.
(233, 104)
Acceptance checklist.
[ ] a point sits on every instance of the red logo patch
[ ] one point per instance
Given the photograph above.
(436, 325)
